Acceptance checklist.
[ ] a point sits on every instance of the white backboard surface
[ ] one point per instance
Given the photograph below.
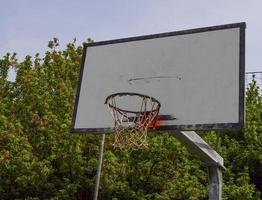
(197, 75)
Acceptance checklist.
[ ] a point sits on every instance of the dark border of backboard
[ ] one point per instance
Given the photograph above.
(219, 126)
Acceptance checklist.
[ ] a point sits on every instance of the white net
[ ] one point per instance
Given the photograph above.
(131, 126)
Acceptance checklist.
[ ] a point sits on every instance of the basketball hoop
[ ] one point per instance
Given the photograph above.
(131, 126)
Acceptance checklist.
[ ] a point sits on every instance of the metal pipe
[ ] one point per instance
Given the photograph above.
(99, 167)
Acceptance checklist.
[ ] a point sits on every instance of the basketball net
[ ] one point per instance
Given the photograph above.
(131, 127)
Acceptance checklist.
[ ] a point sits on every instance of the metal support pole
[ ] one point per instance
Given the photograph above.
(99, 167)
(215, 182)
(209, 156)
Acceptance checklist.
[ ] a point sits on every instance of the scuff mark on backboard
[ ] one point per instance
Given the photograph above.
(156, 78)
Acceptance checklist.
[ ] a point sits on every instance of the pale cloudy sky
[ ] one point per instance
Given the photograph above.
(26, 26)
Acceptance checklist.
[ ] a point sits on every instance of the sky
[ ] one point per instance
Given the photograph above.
(27, 26)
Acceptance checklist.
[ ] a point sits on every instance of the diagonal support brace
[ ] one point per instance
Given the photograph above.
(209, 156)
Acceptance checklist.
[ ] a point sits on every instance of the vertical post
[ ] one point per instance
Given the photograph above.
(209, 156)
(99, 167)
(215, 182)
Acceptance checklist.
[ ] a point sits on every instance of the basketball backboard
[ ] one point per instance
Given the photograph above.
(197, 75)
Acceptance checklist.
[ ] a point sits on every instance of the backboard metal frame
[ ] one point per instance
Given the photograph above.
(216, 126)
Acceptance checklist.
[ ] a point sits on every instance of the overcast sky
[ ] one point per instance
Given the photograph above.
(26, 26)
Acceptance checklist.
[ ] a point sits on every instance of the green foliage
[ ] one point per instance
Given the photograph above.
(41, 159)
(153, 173)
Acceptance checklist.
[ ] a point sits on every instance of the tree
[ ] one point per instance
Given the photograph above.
(41, 159)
